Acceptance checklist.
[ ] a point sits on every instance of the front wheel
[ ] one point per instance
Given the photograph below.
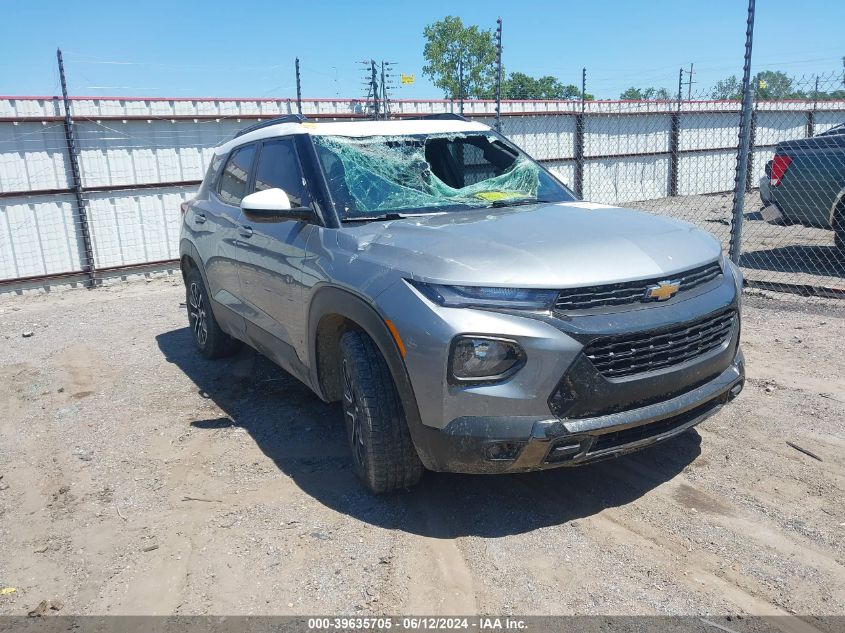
(383, 454)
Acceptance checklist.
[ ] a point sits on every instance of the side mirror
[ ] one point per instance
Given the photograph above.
(273, 205)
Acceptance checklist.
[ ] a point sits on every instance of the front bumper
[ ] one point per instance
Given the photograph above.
(519, 444)
(559, 399)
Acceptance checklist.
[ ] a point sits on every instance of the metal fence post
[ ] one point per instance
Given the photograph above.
(499, 75)
(675, 138)
(88, 266)
(752, 141)
(579, 138)
(579, 154)
(811, 114)
(298, 89)
(583, 87)
(744, 142)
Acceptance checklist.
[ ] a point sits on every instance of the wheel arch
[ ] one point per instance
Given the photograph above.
(838, 207)
(189, 258)
(334, 311)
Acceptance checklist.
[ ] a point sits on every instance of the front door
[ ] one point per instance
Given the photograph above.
(271, 272)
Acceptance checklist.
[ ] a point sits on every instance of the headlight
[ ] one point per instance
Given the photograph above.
(487, 297)
(482, 359)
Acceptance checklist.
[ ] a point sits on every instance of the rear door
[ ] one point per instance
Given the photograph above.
(220, 221)
(271, 274)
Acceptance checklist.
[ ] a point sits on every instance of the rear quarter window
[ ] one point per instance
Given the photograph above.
(213, 168)
(235, 176)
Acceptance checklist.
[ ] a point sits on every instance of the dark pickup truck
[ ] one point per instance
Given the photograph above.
(805, 181)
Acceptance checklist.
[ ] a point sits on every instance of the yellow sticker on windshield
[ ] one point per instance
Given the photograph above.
(494, 195)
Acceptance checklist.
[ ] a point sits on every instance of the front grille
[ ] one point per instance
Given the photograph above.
(624, 355)
(631, 291)
(644, 431)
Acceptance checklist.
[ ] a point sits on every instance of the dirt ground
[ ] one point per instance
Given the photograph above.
(138, 478)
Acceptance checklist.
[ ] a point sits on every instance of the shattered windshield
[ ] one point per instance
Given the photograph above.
(376, 175)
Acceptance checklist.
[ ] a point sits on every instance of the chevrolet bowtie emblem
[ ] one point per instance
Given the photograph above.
(662, 291)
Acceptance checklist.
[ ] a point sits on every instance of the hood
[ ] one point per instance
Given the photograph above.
(538, 246)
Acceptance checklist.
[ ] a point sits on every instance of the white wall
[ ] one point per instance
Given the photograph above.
(172, 143)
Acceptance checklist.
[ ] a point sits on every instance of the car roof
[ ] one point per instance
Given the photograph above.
(356, 129)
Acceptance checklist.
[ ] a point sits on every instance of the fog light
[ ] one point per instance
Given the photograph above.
(475, 359)
(503, 451)
(734, 392)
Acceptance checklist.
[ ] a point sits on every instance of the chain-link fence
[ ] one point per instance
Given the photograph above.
(794, 230)
(678, 158)
(139, 158)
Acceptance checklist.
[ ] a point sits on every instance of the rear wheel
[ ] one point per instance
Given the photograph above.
(211, 341)
(383, 454)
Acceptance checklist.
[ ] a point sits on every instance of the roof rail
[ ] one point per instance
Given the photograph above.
(441, 116)
(288, 118)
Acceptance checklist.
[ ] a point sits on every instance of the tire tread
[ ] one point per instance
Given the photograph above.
(392, 460)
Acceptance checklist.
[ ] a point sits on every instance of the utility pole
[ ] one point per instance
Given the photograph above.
(82, 217)
(298, 89)
(499, 74)
(374, 87)
(386, 86)
(690, 82)
(383, 92)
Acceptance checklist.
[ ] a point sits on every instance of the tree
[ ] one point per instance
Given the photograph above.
(728, 88)
(449, 41)
(767, 84)
(773, 84)
(645, 94)
(521, 86)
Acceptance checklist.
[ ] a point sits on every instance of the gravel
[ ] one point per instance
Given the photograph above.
(139, 478)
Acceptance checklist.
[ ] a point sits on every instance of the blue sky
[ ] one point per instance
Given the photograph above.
(247, 49)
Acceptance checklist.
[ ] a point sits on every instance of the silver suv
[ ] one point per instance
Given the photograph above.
(470, 314)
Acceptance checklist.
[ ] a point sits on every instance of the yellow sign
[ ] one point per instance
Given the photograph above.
(762, 84)
(406, 79)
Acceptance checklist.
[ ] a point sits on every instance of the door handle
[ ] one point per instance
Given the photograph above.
(199, 218)
(245, 231)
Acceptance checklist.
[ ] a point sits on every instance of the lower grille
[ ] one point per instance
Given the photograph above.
(625, 355)
(644, 431)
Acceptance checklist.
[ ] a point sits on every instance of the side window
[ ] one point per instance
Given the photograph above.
(235, 176)
(278, 167)
(213, 169)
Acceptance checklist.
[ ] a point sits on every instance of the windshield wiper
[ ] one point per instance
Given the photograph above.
(498, 204)
(372, 218)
